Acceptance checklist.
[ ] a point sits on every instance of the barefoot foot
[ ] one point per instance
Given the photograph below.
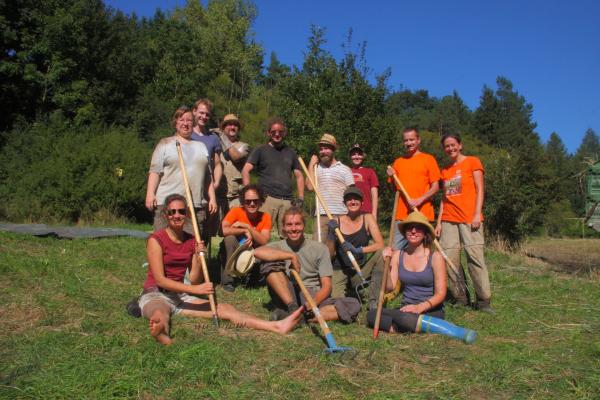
(159, 328)
(286, 325)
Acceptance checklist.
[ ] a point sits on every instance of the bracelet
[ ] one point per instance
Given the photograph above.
(430, 304)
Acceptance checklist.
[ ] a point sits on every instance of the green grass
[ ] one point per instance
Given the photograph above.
(65, 334)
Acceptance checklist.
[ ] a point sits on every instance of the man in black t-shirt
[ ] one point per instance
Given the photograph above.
(275, 162)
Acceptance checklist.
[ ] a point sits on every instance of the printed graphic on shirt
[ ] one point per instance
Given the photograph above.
(453, 186)
(357, 177)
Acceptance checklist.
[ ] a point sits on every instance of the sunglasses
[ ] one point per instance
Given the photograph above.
(276, 132)
(173, 211)
(249, 202)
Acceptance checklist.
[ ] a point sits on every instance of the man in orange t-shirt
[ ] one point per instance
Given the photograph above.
(420, 175)
(245, 223)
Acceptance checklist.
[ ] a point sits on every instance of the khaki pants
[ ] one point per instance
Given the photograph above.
(454, 236)
(344, 280)
(276, 207)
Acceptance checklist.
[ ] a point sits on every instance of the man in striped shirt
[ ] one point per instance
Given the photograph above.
(332, 179)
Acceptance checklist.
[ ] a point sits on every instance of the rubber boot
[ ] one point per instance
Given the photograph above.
(429, 324)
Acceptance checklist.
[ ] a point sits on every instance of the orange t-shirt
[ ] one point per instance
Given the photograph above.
(416, 173)
(460, 194)
(238, 214)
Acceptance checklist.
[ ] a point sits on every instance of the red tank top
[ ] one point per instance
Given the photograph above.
(177, 257)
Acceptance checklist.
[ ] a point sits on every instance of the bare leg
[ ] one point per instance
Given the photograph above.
(278, 282)
(328, 312)
(228, 312)
(158, 314)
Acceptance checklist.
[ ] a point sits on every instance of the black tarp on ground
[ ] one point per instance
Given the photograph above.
(69, 232)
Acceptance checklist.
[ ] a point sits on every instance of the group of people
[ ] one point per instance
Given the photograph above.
(346, 249)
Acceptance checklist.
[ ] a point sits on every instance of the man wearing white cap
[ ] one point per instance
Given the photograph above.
(332, 179)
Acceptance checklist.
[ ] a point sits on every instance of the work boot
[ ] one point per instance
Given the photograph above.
(484, 306)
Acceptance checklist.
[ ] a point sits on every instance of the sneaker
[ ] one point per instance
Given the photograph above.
(228, 287)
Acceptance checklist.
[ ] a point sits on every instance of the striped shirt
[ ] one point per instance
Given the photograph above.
(332, 181)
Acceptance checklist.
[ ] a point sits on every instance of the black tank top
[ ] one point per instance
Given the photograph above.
(360, 238)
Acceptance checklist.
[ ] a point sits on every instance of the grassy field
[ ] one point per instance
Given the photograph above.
(65, 334)
(572, 255)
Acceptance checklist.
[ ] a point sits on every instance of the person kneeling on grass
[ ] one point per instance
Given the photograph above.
(312, 260)
(171, 251)
(423, 275)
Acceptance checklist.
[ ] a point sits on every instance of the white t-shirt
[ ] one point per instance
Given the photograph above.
(165, 162)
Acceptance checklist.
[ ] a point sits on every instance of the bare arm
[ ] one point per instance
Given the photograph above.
(393, 275)
(153, 181)
(212, 198)
(438, 224)
(299, 182)
(373, 229)
(217, 170)
(236, 154)
(265, 253)
(246, 173)
(433, 189)
(311, 168)
(229, 230)
(479, 189)
(325, 290)
(375, 200)
(439, 287)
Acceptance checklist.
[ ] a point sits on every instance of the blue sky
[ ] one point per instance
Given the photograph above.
(550, 49)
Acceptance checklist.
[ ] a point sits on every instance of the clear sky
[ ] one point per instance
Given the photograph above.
(549, 49)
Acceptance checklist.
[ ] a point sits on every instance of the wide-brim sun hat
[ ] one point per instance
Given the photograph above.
(241, 261)
(416, 217)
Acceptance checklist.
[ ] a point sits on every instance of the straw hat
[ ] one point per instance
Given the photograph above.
(328, 140)
(229, 119)
(416, 217)
(241, 261)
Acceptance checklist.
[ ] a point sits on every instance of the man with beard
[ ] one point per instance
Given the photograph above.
(332, 178)
(312, 261)
(235, 153)
(275, 163)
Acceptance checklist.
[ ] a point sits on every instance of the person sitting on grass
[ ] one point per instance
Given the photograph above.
(245, 223)
(312, 261)
(171, 252)
(422, 274)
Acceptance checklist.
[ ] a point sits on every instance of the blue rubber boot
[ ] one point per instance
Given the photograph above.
(429, 324)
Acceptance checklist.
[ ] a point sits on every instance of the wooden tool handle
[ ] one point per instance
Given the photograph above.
(310, 301)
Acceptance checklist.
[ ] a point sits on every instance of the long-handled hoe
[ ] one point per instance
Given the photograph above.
(332, 346)
(188, 196)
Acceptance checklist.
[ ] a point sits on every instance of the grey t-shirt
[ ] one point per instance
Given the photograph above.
(274, 168)
(165, 162)
(315, 261)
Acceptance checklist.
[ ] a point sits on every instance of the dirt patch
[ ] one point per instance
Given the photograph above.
(19, 318)
(569, 255)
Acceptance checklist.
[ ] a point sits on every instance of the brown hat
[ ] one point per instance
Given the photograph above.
(328, 140)
(353, 190)
(416, 217)
(231, 119)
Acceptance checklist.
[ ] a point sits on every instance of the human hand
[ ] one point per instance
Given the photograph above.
(203, 288)
(476, 223)
(349, 247)
(308, 312)
(438, 230)
(212, 206)
(413, 308)
(388, 251)
(298, 202)
(200, 247)
(390, 171)
(151, 202)
(332, 224)
(239, 224)
(295, 263)
(415, 203)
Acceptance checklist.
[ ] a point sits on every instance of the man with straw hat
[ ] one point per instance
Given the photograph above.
(235, 153)
(332, 178)
(312, 260)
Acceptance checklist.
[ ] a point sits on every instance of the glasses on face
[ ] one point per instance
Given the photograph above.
(276, 132)
(412, 227)
(173, 211)
(249, 202)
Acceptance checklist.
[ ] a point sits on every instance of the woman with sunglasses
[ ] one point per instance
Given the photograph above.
(165, 175)
(422, 275)
(171, 252)
(244, 224)
(459, 223)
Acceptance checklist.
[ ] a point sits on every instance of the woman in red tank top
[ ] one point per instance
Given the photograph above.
(171, 252)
